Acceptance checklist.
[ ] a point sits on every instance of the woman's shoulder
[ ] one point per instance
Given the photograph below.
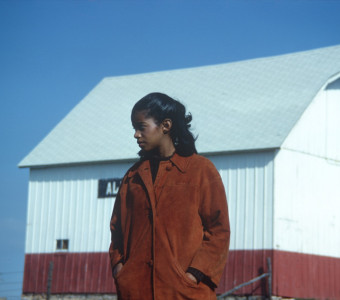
(202, 170)
(203, 164)
(200, 160)
(133, 169)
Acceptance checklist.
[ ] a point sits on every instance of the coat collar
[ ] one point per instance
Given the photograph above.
(181, 162)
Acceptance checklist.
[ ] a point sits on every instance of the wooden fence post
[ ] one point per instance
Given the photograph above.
(49, 280)
(270, 275)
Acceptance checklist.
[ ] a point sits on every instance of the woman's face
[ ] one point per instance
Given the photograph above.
(148, 133)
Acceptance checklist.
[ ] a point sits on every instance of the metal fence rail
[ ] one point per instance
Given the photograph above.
(268, 274)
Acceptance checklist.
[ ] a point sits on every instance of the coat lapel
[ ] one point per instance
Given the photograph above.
(145, 174)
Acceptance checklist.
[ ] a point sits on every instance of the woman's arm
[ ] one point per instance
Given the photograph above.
(116, 246)
(210, 259)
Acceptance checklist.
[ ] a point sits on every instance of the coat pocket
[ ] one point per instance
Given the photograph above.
(122, 271)
(184, 278)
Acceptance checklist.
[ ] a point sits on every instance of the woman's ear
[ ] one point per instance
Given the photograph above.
(166, 125)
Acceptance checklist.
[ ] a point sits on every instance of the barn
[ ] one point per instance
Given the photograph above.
(271, 126)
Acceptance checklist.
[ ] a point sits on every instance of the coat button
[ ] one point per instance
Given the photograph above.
(149, 214)
(150, 263)
(168, 168)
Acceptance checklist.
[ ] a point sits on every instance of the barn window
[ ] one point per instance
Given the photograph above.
(62, 245)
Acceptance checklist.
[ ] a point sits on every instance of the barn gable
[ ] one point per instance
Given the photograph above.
(319, 138)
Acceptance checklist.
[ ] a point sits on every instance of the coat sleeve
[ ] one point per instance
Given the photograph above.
(117, 242)
(211, 257)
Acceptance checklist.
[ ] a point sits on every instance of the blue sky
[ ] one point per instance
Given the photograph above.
(52, 53)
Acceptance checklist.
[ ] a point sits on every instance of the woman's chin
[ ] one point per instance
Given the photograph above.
(147, 153)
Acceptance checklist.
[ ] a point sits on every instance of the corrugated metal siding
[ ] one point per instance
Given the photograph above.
(248, 179)
(90, 273)
(305, 276)
(295, 275)
(63, 204)
(73, 273)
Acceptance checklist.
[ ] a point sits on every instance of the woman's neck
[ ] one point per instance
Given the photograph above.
(159, 153)
(166, 150)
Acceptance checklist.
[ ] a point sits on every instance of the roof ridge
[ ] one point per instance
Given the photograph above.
(256, 59)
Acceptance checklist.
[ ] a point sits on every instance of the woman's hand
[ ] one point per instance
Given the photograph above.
(117, 269)
(191, 277)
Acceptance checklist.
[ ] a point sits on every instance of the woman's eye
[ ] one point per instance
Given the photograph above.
(140, 127)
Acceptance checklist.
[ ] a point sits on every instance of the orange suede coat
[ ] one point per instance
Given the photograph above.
(160, 229)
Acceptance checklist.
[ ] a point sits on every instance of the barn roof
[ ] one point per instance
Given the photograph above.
(246, 105)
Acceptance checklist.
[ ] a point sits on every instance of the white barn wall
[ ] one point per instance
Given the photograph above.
(307, 206)
(63, 204)
(248, 179)
(307, 180)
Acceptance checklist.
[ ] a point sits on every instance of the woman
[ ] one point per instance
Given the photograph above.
(170, 226)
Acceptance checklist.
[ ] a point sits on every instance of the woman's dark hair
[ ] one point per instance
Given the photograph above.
(160, 106)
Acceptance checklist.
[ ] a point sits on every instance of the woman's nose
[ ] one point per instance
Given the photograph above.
(137, 134)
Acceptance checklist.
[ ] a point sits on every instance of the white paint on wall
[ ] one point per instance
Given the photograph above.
(248, 179)
(63, 204)
(307, 204)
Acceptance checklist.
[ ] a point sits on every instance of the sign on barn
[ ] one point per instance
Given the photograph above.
(108, 187)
